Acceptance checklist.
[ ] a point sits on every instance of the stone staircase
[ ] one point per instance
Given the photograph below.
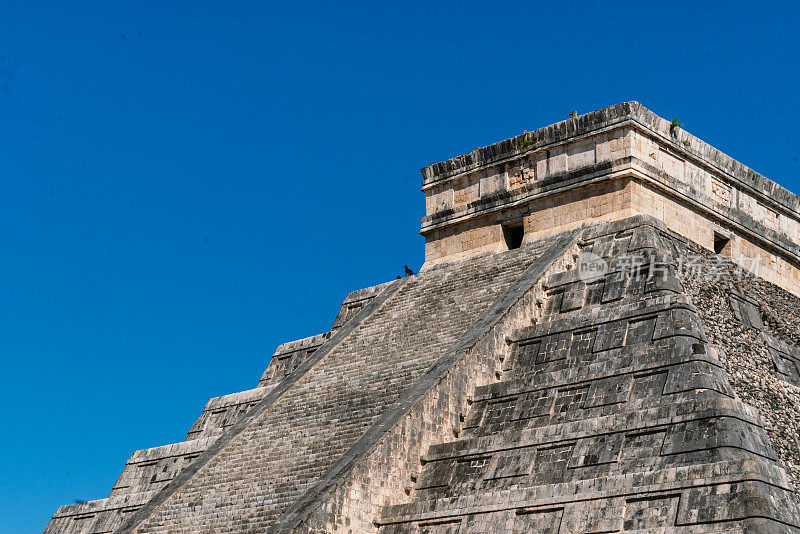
(612, 414)
(278, 458)
(338, 397)
(149, 470)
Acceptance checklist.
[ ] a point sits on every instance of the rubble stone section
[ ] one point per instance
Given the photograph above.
(758, 326)
(256, 477)
(613, 414)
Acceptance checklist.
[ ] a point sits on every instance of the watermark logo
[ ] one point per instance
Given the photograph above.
(591, 267)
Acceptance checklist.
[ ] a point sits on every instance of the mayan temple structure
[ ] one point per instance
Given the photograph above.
(604, 337)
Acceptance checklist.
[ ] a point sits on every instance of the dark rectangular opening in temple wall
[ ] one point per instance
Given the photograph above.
(513, 234)
(722, 244)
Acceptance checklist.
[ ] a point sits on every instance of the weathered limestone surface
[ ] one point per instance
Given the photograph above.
(148, 471)
(758, 325)
(613, 414)
(289, 355)
(269, 465)
(504, 391)
(375, 471)
(606, 165)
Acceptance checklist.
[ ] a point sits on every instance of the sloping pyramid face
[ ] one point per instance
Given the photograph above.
(610, 377)
(435, 406)
(286, 448)
(250, 455)
(615, 413)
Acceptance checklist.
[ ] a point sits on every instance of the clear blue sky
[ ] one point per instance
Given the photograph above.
(185, 186)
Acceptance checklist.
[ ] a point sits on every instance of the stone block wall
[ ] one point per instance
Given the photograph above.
(700, 228)
(222, 412)
(354, 302)
(549, 178)
(613, 413)
(289, 355)
(546, 216)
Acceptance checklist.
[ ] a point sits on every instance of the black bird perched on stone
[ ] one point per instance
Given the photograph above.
(409, 272)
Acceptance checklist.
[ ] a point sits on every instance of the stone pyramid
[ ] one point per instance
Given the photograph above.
(613, 413)
(589, 348)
